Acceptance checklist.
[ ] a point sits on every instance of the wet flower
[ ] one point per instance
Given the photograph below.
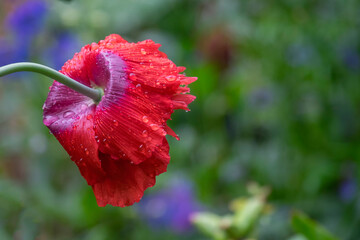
(118, 144)
(171, 207)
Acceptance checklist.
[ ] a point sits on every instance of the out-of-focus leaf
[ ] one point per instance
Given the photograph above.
(309, 228)
(248, 210)
(210, 224)
(246, 216)
(298, 237)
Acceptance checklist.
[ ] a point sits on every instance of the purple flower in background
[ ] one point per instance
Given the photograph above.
(347, 190)
(27, 19)
(62, 49)
(351, 58)
(171, 207)
(25, 22)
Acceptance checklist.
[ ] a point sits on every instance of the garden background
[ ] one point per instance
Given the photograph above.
(278, 104)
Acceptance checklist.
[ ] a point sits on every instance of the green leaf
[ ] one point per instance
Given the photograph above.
(246, 216)
(309, 228)
(210, 224)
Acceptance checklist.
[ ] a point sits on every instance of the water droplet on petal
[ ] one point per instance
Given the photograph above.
(83, 106)
(154, 127)
(145, 133)
(132, 76)
(143, 52)
(88, 117)
(68, 114)
(145, 119)
(148, 153)
(115, 123)
(171, 78)
(48, 120)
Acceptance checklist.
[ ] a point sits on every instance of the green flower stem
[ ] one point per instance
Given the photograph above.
(95, 94)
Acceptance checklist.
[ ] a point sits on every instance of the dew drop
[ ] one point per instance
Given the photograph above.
(148, 153)
(171, 78)
(143, 52)
(115, 123)
(48, 120)
(132, 76)
(145, 119)
(145, 133)
(154, 127)
(88, 117)
(83, 106)
(68, 114)
(138, 85)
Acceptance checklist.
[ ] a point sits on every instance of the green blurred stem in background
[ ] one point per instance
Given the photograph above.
(95, 94)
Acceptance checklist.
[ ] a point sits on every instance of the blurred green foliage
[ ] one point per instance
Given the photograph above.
(278, 103)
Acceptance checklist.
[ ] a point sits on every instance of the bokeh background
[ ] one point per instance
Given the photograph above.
(278, 103)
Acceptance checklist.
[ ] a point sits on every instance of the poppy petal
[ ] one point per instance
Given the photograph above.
(118, 144)
(125, 182)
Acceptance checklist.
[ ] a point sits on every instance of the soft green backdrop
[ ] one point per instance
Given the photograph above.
(278, 103)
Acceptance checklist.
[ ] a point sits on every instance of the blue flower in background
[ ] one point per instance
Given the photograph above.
(64, 47)
(170, 207)
(27, 19)
(348, 189)
(25, 22)
(351, 58)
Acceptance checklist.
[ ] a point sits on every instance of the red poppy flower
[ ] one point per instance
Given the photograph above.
(118, 144)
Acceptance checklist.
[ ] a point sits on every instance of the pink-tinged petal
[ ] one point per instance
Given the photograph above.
(118, 144)
(142, 92)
